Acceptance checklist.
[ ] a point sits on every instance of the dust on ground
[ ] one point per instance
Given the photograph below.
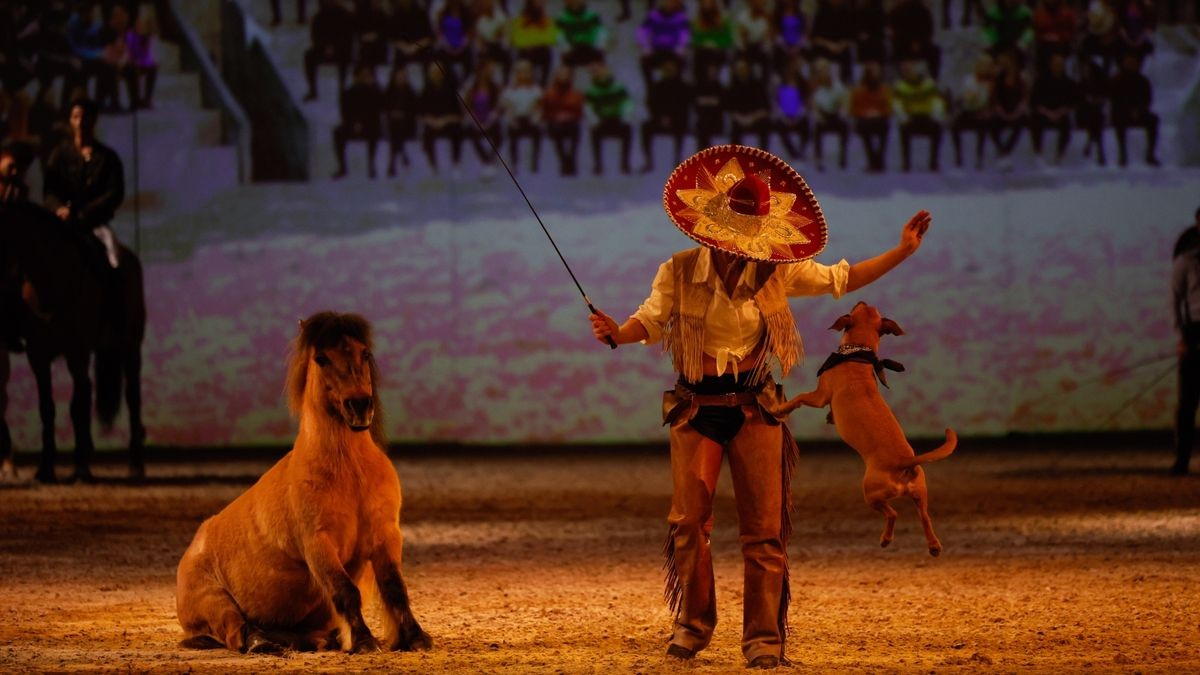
(1056, 560)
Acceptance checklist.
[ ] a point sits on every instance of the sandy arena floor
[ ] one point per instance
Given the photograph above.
(1056, 560)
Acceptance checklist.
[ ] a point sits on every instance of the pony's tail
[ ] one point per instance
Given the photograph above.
(108, 384)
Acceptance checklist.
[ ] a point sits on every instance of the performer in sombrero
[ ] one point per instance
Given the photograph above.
(721, 309)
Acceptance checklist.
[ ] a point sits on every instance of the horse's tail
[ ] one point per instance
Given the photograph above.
(109, 378)
(116, 359)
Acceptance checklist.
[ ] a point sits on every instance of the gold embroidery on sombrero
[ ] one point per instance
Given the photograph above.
(708, 207)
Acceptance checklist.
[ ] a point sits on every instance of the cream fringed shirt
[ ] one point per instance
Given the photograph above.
(733, 325)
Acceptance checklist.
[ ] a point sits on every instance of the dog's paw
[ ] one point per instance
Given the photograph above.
(935, 550)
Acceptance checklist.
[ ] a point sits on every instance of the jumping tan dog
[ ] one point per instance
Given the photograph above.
(281, 567)
(864, 421)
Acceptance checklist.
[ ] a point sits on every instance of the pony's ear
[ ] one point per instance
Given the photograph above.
(889, 327)
(843, 322)
(297, 377)
(377, 422)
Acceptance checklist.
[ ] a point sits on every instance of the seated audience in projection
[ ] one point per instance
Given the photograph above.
(664, 34)
(712, 37)
(482, 95)
(411, 32)
(1010, 106)
(440, 115)
(668, 101)
(141, 68)
(452, 28)
(1055, 25)
(830, 105)
(1100, 42)
(973, 110)
(277, 13)
(870, 24)
(1089, 116)
(1008, 27)
(748, 105)
(582, 33)
(1055, 97)
(362, 113)
(919, 112)
(789, 31)
(491, 35)
(520, 103)
(370, 22)
(833, 35)
(1131, 95)
(752, 27)
(609, 103)
(911, 26)
(332, 33)
(534, 36)
(871, 110)
(709, 103)
(400, 111)
(562, 111)
(791, 110)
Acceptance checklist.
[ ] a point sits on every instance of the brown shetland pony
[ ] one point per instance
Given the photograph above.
(281, 567)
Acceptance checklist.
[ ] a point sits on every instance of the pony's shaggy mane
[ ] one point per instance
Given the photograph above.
(326, 330)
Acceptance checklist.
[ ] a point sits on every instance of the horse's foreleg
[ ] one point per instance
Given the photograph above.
(322, 558)
(6, 451)
(403, 633)
(45, 387)
(81, 414)
(133, 401)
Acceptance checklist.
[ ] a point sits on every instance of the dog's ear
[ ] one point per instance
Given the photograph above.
(843, 322)
(889, 327)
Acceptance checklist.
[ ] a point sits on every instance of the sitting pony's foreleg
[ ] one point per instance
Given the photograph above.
(403, 631)
(322, 558)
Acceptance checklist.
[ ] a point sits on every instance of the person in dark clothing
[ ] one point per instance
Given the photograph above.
(1185, 296)
(969, 6)
(833, 35)
(277, 14)
(18, 31)
(870, 22)
(482, 94)
(55, 58)
(332, 34)
(1010, 106)
(1055, 96)
(370, 26)
(562, 111)
(454, 31)
(911, 26)
(400, 110)
(609, 101)
(791, 110)
(440, 114)
(362, 113)
(411, 33)
(1093, 96)
(748, 104)
(709, 103)
(84, 183)
(14, 159)
(1130, 95)
(667, 104)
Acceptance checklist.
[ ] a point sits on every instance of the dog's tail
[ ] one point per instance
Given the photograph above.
(933, 455)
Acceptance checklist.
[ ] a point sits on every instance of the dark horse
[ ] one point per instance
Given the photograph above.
(69, 315)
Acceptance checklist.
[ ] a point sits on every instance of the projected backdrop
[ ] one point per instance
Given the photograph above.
(1037, 303)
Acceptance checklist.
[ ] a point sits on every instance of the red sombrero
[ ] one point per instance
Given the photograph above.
(747, 202)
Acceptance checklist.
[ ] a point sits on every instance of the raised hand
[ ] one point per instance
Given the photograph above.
(914, 230)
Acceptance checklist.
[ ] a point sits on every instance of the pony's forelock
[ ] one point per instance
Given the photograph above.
(326, 330)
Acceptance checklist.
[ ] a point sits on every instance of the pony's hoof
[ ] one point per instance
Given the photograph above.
(257, 643)
(365, 646)
(418, 642)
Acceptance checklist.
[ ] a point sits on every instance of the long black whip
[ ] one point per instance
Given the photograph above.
(483, 132)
